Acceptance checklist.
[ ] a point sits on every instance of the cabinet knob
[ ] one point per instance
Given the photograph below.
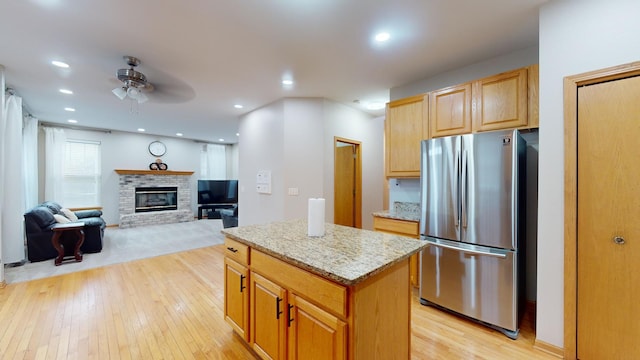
(619, 240)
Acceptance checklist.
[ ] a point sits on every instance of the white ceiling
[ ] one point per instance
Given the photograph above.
(204, 56)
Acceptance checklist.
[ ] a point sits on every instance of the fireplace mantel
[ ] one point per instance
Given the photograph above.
(152, 172)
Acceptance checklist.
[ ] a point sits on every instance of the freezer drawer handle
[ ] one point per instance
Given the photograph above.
(475, 252)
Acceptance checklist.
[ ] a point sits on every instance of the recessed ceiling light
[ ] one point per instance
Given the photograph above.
(72, 121)
(70, 109)
(60, 64)
(141, 130)
(178, 134)
(382, 37)
(220, 139)
(65, 91)
(287, 82)
(238, 106)
(237, 134)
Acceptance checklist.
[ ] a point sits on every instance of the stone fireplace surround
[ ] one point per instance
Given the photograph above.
(130, 179)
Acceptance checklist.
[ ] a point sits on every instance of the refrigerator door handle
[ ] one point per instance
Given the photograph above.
(463, 187)
(456, 213)
(468, 251)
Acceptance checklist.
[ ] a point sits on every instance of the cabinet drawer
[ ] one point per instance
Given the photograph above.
(400, 227)
(322, 292)
(236, 251)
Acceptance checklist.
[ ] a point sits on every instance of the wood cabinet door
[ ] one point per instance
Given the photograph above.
(268, 318)
(236, 297)
(315, 333)
(500, 101)
(405, 128)
(450, 111)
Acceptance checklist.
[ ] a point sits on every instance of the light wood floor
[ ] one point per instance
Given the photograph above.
(170, 307)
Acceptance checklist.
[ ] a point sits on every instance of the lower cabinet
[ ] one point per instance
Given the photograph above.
(286, 312)
(236, 294)
(315, 333)
(403, 228)
(268, 318)
(286, 326)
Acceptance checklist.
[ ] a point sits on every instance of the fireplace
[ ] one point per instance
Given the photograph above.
(130, 204)
(156, 198)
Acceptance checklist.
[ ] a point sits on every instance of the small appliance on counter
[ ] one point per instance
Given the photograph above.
(472, 215)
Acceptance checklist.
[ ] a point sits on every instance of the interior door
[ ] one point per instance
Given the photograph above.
(608, 213)
(344, 185)
(347, 183)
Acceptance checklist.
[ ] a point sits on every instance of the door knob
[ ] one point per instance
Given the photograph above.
(619, 240)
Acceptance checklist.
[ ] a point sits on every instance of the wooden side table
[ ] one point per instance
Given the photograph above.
(58, 229)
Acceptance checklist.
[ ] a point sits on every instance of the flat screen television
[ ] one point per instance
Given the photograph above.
(217, 192)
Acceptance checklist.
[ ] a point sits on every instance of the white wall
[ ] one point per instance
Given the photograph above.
(121, 150)
(303, 157)
(498, 64)
(576, 36)
(261, 148)
(294, 139)
(343, 121)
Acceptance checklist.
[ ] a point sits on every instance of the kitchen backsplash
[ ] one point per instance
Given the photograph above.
(404, 191)
(412, 208)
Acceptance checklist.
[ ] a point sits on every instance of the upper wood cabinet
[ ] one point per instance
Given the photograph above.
(450, 110)
(405, 128)
(500, 101)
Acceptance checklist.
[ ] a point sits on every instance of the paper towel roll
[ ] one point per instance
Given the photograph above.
(316, 217)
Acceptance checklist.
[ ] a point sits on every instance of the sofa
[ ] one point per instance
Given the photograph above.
(39, 220)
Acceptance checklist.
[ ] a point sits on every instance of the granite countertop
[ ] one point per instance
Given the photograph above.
(401, 211)
(344, 254)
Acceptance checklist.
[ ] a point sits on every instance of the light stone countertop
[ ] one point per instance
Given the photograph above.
(344, 254)
(401, 211)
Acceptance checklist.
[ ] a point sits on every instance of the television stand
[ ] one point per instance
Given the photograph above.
(214, 207)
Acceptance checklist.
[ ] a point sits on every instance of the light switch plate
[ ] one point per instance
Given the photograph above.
(263, 182)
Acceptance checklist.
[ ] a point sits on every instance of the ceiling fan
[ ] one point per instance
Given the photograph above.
(134, 82)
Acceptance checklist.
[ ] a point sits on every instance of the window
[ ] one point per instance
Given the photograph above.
(82, 174)
(213, 162)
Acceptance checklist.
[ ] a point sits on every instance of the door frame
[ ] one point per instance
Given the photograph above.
(571, 84)
(358, 186)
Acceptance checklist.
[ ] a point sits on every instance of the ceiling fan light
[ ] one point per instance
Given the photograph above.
(141, 97)
(133, 92)
(120, 92)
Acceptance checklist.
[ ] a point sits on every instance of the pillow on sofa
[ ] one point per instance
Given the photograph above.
(61, 219)
(53, 206)
(68, 214)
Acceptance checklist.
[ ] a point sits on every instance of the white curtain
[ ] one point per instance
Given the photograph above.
(54, 144)
(30, 162)
(213, 162)
(2, 87)
(11, 182)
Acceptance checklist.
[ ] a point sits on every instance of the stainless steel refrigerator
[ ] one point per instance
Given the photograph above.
(472, 199)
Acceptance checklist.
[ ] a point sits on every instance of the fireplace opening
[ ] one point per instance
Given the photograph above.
(156, 199)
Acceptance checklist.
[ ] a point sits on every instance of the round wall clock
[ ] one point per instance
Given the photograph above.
(157, 148)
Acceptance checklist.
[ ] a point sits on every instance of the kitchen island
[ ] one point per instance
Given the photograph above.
(345, 295)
